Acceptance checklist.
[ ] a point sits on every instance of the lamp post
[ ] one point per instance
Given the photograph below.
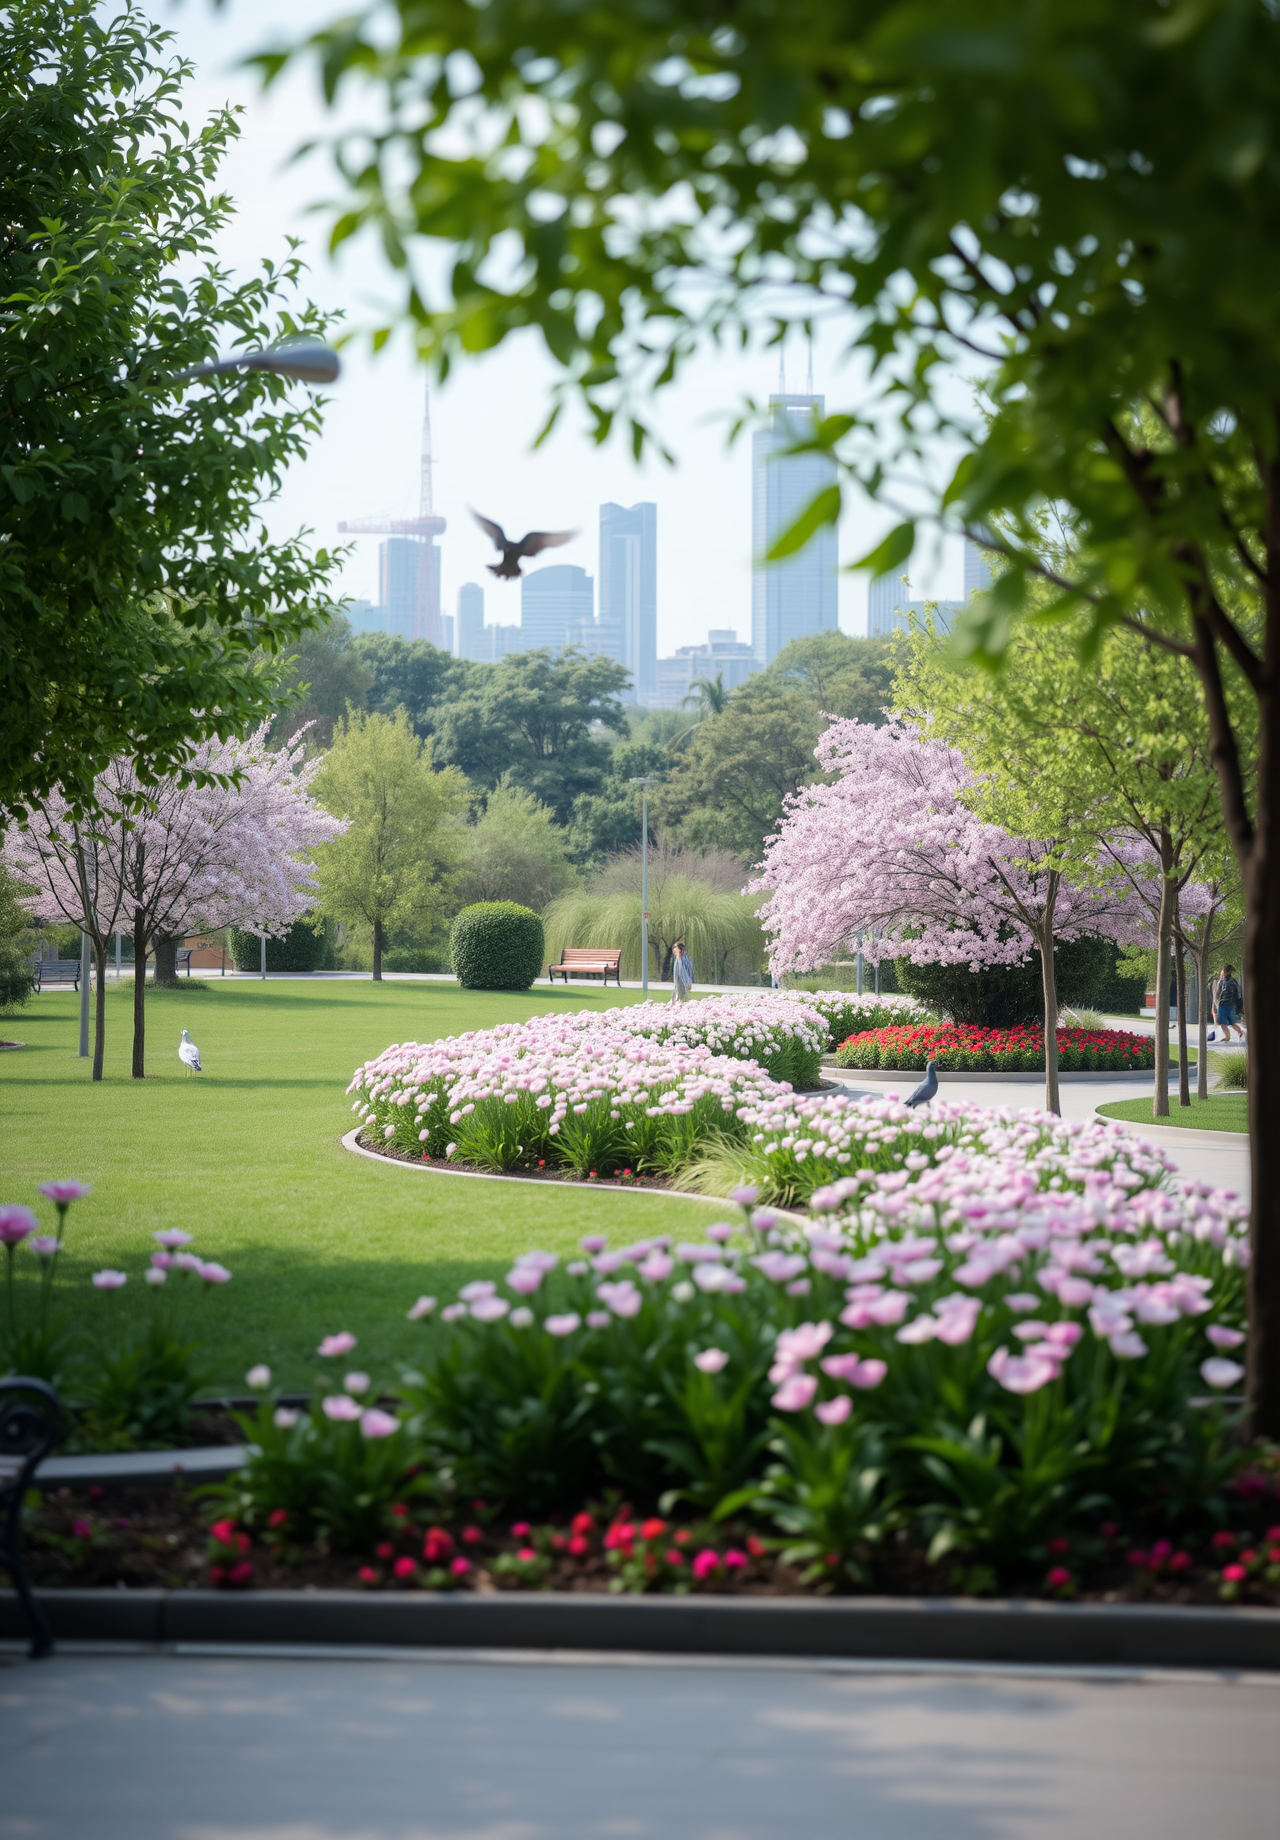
(304, 363)
(85, 962)
(644, 781)
(264, 958)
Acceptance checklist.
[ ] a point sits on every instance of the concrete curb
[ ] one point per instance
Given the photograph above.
(1176, 1134)
(925, 1629)
(483, 1175)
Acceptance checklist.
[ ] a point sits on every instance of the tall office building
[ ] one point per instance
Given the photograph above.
(890, 610)
(798, 597)
(470, 627)
(628, 625)
(409, 562)
(555, 606)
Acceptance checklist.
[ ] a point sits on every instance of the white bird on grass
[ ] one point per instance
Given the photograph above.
(189, 1054)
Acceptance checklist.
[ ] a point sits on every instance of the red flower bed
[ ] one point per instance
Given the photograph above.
(962, 1048)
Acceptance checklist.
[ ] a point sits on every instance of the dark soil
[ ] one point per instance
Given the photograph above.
(159, 1538)
(531, 1172)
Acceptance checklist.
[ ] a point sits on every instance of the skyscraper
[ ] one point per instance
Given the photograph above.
(628, 627)
(555, 604)
(470, 628)
(791, 599)
(889, 609)
(409, 587)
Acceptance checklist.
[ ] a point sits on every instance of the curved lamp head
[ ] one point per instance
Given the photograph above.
(303, 363)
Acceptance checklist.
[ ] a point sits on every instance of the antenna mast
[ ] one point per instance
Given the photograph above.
(426, 506)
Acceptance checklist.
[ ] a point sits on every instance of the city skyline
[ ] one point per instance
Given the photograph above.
(798, 597)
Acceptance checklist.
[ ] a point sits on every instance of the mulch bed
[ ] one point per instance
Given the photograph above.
(158, 1538)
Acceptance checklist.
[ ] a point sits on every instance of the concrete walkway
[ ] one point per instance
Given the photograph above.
(428, 1747)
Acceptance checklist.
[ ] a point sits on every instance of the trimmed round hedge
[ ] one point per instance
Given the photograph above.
(497, 945)
(301, 949)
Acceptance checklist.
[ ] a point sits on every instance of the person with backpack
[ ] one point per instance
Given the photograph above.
(681, 972)
(1228, 1003)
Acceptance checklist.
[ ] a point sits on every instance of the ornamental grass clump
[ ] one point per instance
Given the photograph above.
(965, 1048)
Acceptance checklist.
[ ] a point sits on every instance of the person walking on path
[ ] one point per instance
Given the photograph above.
(1228, 1003)
(681, 972)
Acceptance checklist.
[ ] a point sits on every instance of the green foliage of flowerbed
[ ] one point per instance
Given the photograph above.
(497, 945)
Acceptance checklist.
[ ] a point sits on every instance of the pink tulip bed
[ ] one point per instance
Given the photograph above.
(960, 1047)
(1001, 1352)
(635, 1092)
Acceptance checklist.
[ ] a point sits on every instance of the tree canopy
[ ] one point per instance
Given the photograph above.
(138, 584)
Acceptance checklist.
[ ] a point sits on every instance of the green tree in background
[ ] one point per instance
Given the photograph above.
(409, 674)
(17, 944)
(395, 864)
(730, 781)
(607, 821)
(531, 717)
(1082, 199)
(322, 676)
(515, 851)
(138, 584)
(843, 676)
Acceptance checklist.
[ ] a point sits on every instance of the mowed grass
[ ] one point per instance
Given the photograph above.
(1219, 1112)
(248, 1158)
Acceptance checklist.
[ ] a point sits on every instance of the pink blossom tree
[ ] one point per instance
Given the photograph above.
(892, 850)
(225, 843)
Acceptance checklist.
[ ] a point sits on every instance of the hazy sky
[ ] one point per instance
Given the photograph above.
(486, 417)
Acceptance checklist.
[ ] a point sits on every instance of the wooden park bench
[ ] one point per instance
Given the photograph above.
(56, 971)
(589, 961)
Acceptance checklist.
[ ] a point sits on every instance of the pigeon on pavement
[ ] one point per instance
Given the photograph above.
(531, 544)
(927, 1087)
(189, 1054)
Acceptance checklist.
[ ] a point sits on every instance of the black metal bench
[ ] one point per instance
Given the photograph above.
(56, 971)
(30, 1426)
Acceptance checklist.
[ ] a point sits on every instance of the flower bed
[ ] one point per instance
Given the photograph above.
(978, 1356)
(597, 1091)
(964, 1048)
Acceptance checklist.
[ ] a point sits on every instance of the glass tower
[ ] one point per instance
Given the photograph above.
(797, 597)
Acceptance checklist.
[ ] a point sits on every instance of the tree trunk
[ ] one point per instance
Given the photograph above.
(139, 1068)
(1049, 978)
(1180, 973)
(99, 1004)
(377, 951)
(1202, 1005)
(1262, 1018)
(166, 950)
(1164, 940)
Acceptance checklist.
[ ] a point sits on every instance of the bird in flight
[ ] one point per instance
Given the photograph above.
(532, 544)
(189, 1054)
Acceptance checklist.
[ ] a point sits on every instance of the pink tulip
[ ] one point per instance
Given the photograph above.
(593, 1242)
(1224, 1338)
(162, 1260)
(1019, 1374)
(213, 1273)
(340, 1408)
(422, 1308)
(63, 1193)
(15, 1224)
(154, 1276)
(524, 1280)
(834, 1411)
(795, 1393)
(284, 1418)
(171, 1238)
(598, 1319)
(565, 1324)
(376, 1424)
(187, 1261)
(356, 1383)
(1221, 1373)
(44, 1245)
(869, 1374)
(259, 1377)
(341, 1343)
(711, 1360)
(109, 1280)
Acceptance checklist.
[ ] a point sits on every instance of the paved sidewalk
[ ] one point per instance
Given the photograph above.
(180, 1747)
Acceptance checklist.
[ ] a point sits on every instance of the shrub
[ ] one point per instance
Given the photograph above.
(497, 945)
(1000, 996)
(1234, 1070)
(303, 948)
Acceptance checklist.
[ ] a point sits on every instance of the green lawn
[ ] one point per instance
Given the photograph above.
(1219, 1112)
(248, 1158)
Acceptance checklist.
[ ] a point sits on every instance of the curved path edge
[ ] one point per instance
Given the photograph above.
(923, 1629)
(484, 1175)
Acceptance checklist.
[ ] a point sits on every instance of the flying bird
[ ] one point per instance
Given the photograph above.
(532, 544)
(189, 1055)
(927, 1087)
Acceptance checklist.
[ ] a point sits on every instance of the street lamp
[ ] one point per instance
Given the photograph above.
(644, 781)
(304, 363)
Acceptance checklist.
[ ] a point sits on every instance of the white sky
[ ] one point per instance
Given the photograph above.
(486, 417)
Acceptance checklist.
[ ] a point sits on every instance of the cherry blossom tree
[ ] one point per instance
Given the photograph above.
(891, 849)
(226, 843)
